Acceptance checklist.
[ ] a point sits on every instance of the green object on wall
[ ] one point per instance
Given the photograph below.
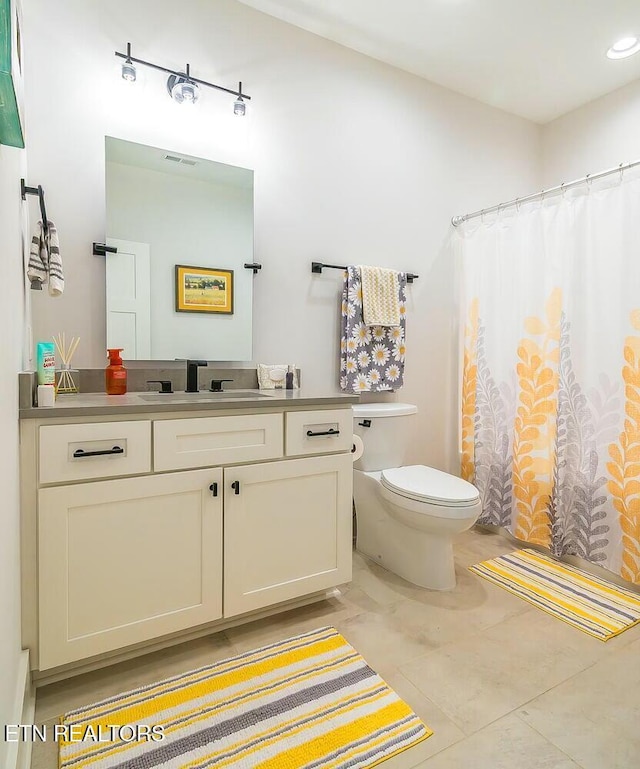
(10, 128)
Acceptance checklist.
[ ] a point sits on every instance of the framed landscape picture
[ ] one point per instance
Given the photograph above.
(10, 74)
(204, 289)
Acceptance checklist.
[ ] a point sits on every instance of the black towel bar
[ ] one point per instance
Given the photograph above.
(317, 267)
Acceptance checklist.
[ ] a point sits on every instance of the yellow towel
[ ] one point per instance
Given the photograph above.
(380, 296)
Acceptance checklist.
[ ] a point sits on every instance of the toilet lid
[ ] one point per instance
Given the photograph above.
(426, 484)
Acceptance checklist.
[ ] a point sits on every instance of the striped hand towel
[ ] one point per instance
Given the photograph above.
(45, 262)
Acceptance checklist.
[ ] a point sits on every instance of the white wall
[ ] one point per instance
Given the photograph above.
(193, 222)
(355, 161)
(11, 316)
(600, 135)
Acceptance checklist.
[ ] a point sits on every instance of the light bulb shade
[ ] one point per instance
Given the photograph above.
(239, 107)
(182, 89)
(129, 71)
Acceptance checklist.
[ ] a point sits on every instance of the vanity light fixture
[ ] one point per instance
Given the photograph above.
(128, 67)
(627, 46)
(239, 107)
(182, 86)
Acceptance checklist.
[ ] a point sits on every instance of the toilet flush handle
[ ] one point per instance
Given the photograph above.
(365, 423)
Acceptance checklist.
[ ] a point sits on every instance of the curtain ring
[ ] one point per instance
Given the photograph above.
(562, 190)
(587, 179)
(621, 170)
(518, 205)
(482, 216)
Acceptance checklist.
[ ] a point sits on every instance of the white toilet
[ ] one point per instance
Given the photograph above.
(406, 516)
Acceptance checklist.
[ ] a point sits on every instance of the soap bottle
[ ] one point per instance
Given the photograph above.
(115, 374)
(289, 378)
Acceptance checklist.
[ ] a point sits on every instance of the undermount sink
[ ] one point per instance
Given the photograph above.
(205, 396)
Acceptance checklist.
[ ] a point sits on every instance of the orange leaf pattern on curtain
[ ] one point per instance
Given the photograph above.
(535, 424)
(624, 467)
(469, 382)
(556, 367)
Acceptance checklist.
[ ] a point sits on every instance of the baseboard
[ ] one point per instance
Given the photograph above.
(19, 753)
(572, 560)
(44, 678)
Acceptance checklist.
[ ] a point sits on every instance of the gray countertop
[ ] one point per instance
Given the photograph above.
(99, 404)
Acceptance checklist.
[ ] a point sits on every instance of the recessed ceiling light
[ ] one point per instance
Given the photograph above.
(623, 48)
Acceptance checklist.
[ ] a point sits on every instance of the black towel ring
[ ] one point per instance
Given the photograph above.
(43, 210)
(25, 190)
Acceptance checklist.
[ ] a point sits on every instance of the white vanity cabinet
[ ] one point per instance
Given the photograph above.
(127, 560)
(285, 530)
(143, 531)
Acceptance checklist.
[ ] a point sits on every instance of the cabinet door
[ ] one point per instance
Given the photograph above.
(287, 528)
(127, 560)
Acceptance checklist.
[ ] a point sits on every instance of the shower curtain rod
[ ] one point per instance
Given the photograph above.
(456, 220)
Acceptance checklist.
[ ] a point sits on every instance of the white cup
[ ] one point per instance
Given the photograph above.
(46, 396)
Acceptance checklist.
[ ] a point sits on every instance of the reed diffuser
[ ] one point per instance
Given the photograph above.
(66, 382)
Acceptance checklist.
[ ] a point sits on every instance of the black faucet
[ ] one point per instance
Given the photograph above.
(192, 374)
(216, 385)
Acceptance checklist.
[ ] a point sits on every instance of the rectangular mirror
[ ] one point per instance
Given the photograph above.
(183, 228)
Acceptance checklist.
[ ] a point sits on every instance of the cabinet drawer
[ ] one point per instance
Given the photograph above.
(183, 443)
(102, 450)
(305, 431)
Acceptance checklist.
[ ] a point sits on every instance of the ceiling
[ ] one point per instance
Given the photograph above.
(534, 58)
(176, 163)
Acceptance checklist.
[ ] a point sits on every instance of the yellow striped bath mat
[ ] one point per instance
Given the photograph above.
(593, 605)
(310, 701)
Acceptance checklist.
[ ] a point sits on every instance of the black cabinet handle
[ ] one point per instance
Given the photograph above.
(214, 489)
(80, 453)
(330, 431)
(236, 486)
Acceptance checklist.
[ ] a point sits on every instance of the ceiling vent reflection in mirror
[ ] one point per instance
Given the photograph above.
(182, 86)
(176, 159)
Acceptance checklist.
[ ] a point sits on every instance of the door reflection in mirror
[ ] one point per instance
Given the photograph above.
(165, 209)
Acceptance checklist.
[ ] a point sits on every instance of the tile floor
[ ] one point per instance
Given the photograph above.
(499, 682)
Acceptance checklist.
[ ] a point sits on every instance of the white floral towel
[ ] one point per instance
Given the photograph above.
(371, 357)
(380, 296)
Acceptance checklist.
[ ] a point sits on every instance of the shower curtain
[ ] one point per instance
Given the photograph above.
(551, 371)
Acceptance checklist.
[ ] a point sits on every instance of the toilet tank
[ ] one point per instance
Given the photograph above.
(386, 439)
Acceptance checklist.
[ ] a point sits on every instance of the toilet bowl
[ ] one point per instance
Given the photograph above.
(407, 516)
